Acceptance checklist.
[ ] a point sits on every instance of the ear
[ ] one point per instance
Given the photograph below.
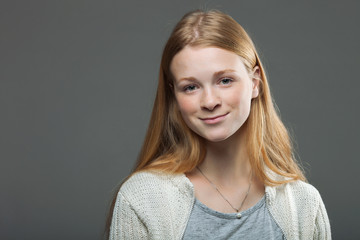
(256, 79)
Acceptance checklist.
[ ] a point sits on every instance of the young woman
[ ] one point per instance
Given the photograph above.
(217, 161)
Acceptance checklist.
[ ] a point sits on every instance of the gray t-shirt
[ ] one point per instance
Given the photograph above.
(253, 223)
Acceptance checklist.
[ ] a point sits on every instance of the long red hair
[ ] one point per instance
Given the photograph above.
(170, 146)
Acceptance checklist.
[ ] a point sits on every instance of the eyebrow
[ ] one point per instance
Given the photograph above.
(216, 74)
(219, 73)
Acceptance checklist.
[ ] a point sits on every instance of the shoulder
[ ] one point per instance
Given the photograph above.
(162, 202)
(297, 200)
(302, 189)
(297, 192)
(304, 192)
(296, 207)
(150, 185)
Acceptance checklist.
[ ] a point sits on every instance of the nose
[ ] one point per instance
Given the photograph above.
(210, 99)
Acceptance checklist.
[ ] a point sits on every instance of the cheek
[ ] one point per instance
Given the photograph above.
(240, 100)
(186, 105)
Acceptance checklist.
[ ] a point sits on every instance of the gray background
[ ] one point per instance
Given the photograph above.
(77, 82)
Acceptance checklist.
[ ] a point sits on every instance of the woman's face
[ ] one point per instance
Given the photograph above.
(213, 91)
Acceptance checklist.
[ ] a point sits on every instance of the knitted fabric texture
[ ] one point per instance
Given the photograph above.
(153, 205)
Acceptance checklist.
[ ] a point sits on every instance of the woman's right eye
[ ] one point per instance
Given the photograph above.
(189, 88)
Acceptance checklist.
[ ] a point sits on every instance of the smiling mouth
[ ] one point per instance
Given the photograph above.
(213, 120)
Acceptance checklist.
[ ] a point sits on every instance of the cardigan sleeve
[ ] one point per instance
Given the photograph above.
(322, 224)
(125, 222)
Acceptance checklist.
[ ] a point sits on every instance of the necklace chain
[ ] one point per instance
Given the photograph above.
(214, 186)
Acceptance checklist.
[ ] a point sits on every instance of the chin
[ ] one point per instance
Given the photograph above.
(213, 135)
(215, 138)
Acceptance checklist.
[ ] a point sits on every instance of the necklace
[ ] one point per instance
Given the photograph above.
(214, 186)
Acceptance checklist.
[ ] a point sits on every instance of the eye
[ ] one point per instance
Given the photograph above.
(189, 88)
(226, 81)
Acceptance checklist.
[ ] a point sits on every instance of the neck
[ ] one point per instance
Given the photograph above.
(227, 161)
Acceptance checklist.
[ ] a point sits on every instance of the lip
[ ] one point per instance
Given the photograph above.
(213, 120)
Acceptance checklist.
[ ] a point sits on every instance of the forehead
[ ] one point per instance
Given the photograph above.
(204, 60)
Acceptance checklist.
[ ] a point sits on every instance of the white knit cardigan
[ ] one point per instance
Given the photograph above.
(157, 206)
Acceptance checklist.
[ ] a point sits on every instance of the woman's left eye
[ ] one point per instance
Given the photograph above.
(226, 81)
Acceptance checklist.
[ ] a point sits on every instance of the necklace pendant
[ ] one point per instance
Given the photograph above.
(238, 214)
